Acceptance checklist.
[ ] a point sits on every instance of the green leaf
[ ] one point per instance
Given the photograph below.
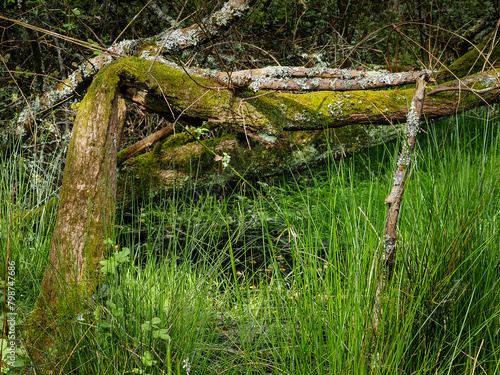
(109, 265)
(107, 241)
(147, 359)
(148, 325)
(122, 256)
(116, 311)
(105, 325)
(19, 362)
(162, 334)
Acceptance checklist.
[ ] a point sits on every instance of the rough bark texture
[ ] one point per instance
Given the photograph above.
(314, 79)
(86, 208)
(404, 164)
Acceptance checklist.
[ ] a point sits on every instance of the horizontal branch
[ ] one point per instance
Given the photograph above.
(266, 115)
(315, 79)
(137, 147)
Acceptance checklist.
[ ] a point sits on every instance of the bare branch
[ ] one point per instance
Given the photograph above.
(316, 79)
(403, 165)
(137, 147)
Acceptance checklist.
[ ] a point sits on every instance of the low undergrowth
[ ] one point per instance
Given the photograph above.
(281, 278)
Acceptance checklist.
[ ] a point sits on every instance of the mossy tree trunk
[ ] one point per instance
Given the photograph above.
(85, 214)
(269, 132)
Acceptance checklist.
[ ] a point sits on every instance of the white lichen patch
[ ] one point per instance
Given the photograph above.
(147, 55)
(302, 117)
(172, 41)
(303, 83)
(267, 137)
(412, 122)
(398, 177)
(306, 154)
(312, 72)
(125, 47)
(226, 159)
(404, 159)
(488, 80)
(345, 74)
(278, 71)
(84, 72)
(388, 247)
(227, 13)
(336, 108)
(258, 81)
(314, 82)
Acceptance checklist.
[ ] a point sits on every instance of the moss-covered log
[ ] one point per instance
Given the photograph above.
(483, 57)
(269, 132)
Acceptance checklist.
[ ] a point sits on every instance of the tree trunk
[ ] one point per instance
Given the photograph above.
(271, 132)
(86, 209)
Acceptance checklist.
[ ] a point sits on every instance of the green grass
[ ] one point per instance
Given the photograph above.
(282, 279)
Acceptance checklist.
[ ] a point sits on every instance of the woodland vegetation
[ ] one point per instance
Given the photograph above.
(149, 106)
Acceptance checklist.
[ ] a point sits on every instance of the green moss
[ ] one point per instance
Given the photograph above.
(176, 140)
(321, 109)
(176, 86)
(472, 62)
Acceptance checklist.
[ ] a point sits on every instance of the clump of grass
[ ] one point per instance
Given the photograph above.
(282, 279)
(28, 195)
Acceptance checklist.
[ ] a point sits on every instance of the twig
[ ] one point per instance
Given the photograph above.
(453, 88)
(64, 37)
(137, 147)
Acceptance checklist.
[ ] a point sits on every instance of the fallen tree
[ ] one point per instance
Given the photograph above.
(224, 126)
(255, 134)
(265, 133)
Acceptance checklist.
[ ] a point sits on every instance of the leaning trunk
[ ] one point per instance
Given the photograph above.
(86, 208)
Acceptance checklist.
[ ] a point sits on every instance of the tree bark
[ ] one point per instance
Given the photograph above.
(404, 164)
(86, 209)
